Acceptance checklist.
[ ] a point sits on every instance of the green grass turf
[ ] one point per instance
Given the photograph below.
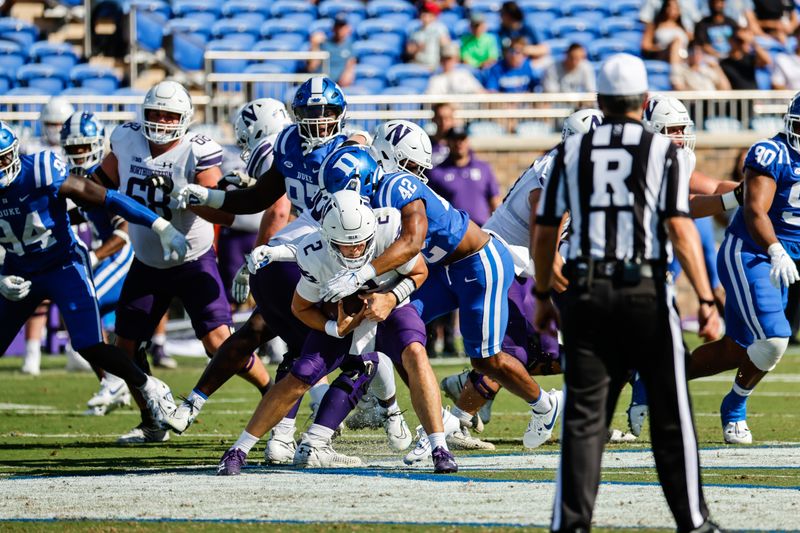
(35, 441)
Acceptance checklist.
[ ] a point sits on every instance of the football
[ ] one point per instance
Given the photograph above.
(352, 305)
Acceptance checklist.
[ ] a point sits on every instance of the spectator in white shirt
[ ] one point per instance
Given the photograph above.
(454, 77)
(425, 45)
(573, 75)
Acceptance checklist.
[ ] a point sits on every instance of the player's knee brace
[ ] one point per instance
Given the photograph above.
(357, 373)
(765, 353)
(481, 385)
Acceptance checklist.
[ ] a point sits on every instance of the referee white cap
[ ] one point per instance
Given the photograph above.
(622, 75)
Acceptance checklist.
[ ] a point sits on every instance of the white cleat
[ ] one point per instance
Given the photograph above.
(113, 393)
(453, 385)
(158, 399)
(142, 434)
(462, 440)
(421, 451)
(182, 417)
(397, 431)
(540, 428)
(280, 448)
(737, 433)
(616, 436)
(637, 414)
(367, 414)
(320, 454)
(32, 363)
(76, 363)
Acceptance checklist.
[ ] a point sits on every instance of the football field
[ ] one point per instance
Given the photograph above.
(62, 471)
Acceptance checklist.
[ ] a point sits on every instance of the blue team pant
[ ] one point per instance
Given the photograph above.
(70, 287)
(477, 286)
(753, 306)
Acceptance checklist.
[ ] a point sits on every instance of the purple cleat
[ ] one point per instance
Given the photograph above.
(443, 461)
(232, 463)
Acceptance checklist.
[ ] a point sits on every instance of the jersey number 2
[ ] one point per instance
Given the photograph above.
(33, 233)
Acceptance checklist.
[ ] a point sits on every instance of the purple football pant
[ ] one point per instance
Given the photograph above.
(148, 291)
(401, 328)
(232, 246)
(272, 288)
(521, 340)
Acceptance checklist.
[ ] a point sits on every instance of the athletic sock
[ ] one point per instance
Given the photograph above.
(317, 392)
(319, 432)
(286, 425)
(245, 442)
(464, 417)
(437, 440)
(197, 398)
(159, 339)
(390, 408)
(741, 391)
(542, 404)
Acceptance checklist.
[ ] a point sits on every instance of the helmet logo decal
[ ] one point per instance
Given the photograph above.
(397, 134)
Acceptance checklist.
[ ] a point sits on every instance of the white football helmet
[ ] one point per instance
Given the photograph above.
(581, 121)
(668, 116)
(349, 221)
(168, 96)
(256, 121)
(53, 115)
(401, 145)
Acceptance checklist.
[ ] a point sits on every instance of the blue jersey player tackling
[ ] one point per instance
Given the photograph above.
(756, 266)
(44, 260)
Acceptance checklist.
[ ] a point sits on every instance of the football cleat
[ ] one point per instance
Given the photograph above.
(142, 434)
(540, 428)
(397, 431)
(453, 385)
(182, 417)
(113, 393)
(232, 462)
(280, 448)
(637, 414)
(161, 359)
(158, 400)
(32, 363)
(367, 414)
(443, 461)
(616, 436)
(737, 433)
(421, 451)
(320, 454)
(462, 440)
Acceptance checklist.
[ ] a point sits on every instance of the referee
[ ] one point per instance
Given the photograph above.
(628, 195)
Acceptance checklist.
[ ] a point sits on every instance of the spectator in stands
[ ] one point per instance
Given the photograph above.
(745, 57)
(699, 73)
(512, 25)
(444, 120)
(775, 18)
(340, 47)
(426, 44)
(786, 72)
(714, 31)
(742, 12)
(514, 74)
(573, 75)
(689, 12)
(454, 78)
(478, 47)
(665, 38)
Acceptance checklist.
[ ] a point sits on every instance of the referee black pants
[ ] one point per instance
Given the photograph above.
(609, 330)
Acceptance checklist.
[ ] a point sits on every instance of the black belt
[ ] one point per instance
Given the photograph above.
(583, 270)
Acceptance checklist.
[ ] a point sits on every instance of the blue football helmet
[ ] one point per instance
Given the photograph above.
(83, 138)
(791, 123)
(10, 164)
(319, 109)
(350, 168)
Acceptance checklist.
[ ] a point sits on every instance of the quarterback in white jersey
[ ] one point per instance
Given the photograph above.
(147, 161)
(352, 234)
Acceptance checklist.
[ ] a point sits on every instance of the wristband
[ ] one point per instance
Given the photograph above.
(122, 235)
(93, 259)
(544, 295)
(404, 289)
(729, 200)
(215, 198)
(707, 302)
(332, 329)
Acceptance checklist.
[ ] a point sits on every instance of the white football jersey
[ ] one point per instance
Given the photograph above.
(193, 153)
(318, 265)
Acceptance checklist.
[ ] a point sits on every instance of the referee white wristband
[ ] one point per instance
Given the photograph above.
(404, 289)
(332, 329)
(729, 200)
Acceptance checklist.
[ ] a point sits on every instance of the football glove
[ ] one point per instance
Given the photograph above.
(14, 288)
(240, 289)
(347, 282)
(782, 269)
(173, 242)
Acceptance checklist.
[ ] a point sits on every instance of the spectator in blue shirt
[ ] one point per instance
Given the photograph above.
(514, 74)
(512, 25)
(340, 47)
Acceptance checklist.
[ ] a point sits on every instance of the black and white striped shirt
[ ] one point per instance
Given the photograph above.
(619, 183)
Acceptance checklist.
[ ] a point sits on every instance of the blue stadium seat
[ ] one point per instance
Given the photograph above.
(767, 125)
(32, 125)
(19, 31)
(570, 7)
(150, 29)
(540, 24)
(331, 8)
(242, 29)
(395, 40)
(276, 26)
(6, 82)
(152, 6)
(659, 82)
(269, 67)
(46, 78)
(561, 27)
(633, 37)
(485, 128)
(612, 25)
(373, 46)
(449, 19)
(296, 41)
(369, 27)
(280, 46)
(654, 66)
(593, 17)
(534, 128)
(601, 48)
(228, 65)
(205, 10)
(485, 6)
(558, 47)
(233, 8)
(11, 57)
(540, 6)
(583, 38)
(83, 91)
(321, 25)
(722, 125)
(370, 72)
(367, 86)
(189, 26)
(270, 89)
(404, 18)
(407, 71)
(398, 91)
(282, 8)
(187, 50)
(306, 19)
(763, 79)
(418, 85)
(60, 55)
(379, 8)
(384, 61)
(102, 80)
(626, 8)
